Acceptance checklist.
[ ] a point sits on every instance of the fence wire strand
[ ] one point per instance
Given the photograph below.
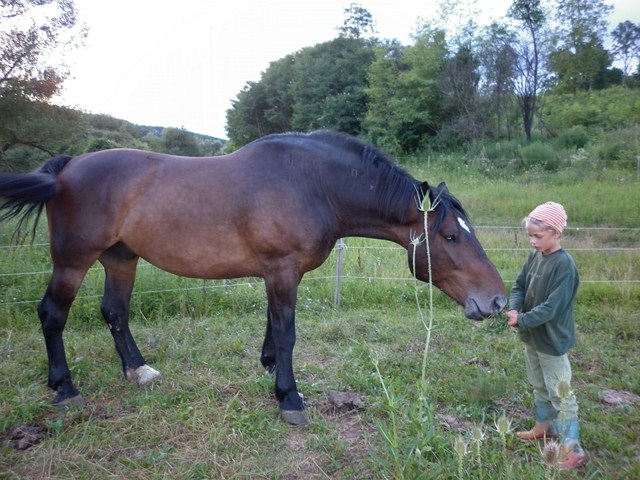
(342, 246)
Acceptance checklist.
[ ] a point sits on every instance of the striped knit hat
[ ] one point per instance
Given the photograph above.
(551, 214)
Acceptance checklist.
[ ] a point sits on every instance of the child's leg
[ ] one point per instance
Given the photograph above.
(555, 369)
(545, 411)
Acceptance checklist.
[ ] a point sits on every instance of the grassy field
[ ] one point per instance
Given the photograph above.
(212, 414)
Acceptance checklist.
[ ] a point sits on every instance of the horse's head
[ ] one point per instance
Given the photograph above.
(459, 265)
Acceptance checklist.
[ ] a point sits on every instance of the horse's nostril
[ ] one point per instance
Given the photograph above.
(499, 303)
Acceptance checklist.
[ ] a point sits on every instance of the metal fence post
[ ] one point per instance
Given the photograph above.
(339, 254)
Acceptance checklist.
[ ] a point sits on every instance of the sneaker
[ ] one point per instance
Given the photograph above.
(574, 460)
(572, 457)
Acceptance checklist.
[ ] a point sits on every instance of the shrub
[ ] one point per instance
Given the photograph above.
(575, 137)
(96, 144)
(621, 147)
(504, 150)
(540, 154)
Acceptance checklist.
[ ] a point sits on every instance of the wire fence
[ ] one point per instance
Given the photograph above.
(613, 256)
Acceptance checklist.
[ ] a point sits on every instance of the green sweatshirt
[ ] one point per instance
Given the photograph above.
(543, 294)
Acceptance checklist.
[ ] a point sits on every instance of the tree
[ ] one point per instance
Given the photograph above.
(460, 83)
(357, 23)
(328, 85)
(382, 80)
(626, 45)
(31, 131)
(581, 21)
(581, 69)
(263, 107)
(177, 141)
(405, 95)
(497, 63)
(33, 34)
(528, 65)
(246, 115)
(580, 56)
(318, 87)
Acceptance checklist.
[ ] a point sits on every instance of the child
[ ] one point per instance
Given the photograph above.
(541, 303)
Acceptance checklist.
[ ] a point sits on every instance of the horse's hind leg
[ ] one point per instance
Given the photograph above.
(53, 311)
(280, 340)
(120, 271)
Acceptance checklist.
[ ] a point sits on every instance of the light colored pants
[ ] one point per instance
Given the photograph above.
(544, 372)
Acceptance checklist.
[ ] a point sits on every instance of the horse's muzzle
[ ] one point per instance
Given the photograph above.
(478, 310)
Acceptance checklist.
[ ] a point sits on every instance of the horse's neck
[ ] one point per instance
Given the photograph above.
(366, 221)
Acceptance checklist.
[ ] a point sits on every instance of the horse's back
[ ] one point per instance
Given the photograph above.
(212, 217)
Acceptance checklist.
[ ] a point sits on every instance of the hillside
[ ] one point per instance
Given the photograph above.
(52, 130)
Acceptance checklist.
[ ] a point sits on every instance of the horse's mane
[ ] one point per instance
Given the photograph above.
(398, 187)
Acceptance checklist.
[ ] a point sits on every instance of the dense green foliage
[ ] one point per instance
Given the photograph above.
(446, 89)
(318, 87)
(541, 74)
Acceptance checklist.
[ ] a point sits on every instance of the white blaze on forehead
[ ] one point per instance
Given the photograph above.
(464, 225)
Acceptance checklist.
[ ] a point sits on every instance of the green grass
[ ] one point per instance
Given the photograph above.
(212, 413)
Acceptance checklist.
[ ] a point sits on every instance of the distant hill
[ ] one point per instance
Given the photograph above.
(157, 131)
(39, 131)
(104, 131)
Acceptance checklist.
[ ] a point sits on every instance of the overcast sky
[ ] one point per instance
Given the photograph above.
(181, 63)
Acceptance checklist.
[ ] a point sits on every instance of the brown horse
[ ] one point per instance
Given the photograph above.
(273, 209)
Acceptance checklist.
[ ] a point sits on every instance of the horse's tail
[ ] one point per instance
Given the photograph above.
(26, 193)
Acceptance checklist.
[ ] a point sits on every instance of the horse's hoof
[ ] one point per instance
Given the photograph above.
(143, 374)
(77, 401)
(295, 417)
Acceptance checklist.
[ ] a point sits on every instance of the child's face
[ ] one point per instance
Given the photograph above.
(543, 240)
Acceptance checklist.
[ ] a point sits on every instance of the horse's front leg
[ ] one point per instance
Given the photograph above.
(268, 356)
(281, 294)
(120, 273)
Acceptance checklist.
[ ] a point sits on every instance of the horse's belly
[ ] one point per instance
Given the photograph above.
(200, 261)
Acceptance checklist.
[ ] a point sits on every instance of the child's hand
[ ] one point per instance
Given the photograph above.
(512, 316)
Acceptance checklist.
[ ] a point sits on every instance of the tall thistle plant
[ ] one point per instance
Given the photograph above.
(425, 206)
(392, 437)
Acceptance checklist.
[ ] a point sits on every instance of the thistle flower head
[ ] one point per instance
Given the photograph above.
(503, 425)
(416, 240)
(564, 389)
(425, 204)
(551, 453)
(460, 446)
(478, 434)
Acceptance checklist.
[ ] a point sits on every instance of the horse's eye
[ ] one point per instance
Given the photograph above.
(450, 238)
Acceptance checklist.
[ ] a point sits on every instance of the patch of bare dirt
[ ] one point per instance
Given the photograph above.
(23, 437)
(619, 397)
(340, 402)
(343, 411)
(451, 422)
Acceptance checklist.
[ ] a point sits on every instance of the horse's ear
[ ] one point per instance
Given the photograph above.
(432, 192)
(424, 189)
(436, 192)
